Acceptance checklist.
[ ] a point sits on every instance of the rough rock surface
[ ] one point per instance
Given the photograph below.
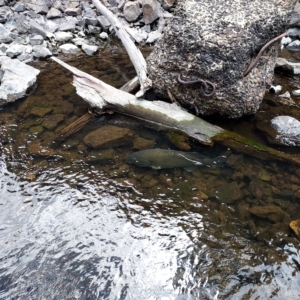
(17, 78)
(109, 137)
(215, 41)
(288, 129)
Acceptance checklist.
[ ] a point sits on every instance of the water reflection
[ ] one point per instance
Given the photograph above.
(72, 228)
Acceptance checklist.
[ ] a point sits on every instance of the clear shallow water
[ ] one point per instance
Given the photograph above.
(70, 229)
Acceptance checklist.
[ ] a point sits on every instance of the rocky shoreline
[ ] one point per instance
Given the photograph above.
(37, 29)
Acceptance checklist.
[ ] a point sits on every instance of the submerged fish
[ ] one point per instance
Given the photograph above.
(165, 159)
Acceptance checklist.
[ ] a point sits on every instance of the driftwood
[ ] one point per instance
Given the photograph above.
(164, 115)
(134, 53)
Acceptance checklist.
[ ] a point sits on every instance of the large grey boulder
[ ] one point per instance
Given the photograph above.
(215, 41)
(17, 79)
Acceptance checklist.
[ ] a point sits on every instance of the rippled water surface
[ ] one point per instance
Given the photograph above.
(74, 228)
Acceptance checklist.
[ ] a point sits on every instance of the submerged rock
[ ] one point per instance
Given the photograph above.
(109, 137)
(270, 212)
(17, 79)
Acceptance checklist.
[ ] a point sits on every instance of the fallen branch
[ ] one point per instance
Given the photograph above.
(134, 53)
(164, 115)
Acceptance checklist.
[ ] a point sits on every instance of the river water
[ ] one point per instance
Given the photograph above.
(73, 228)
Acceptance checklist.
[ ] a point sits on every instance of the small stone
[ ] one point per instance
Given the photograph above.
(140, 143)
(286, 40)
(132, 11)
(40, 111)
(37, 29)
(19, 7)
(276, 89)
(54, 13)
(73, 11)
(108, 137)
(296, 93)
(288, 129)
(79, 41)
(153, 37)
(36, 40)
(41, 52)
(69, 49)
(89, 49)
(294, 46)
(103, 36)
(5, 35)
(104, 23)
(102, 157)
(289, 67)
(229, 193)
(62, 36)
(15, 50)
(151, 11)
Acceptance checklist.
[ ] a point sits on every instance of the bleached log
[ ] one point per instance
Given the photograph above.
(102, 96)
(134, 53)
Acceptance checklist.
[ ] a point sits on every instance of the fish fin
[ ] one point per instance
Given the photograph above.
(190, 169)
(156, 168)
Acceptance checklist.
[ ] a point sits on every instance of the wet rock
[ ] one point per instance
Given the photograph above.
(229, 193)
(132, 11)
(206, 48)
(270, 212)
(264, 175)
(40, 111)
(69, 49)
(151, 11)
(89, 49)
(109, 137)
(102, 157)
(41, 52)
(36, 130)
(140, 143)
(52, 121)
(288, 130)
(295, 226)
(35, 148)
(286, 66)
(17, 79)
(179, 140)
